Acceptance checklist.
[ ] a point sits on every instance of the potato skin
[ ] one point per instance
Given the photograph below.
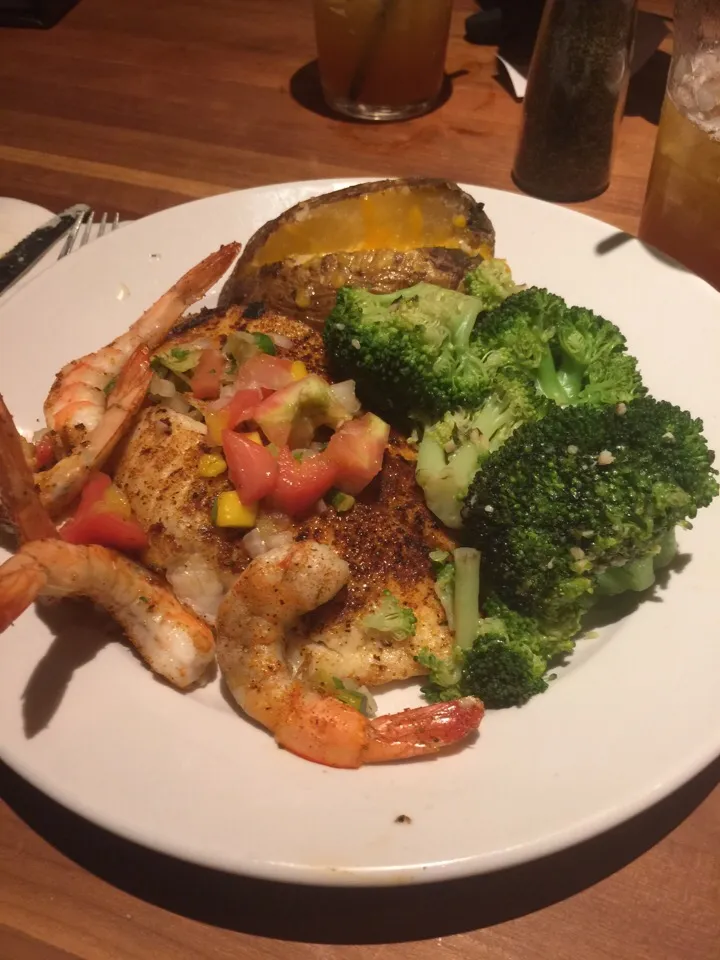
(305, 286)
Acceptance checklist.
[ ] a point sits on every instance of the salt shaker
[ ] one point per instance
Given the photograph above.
(575, 98)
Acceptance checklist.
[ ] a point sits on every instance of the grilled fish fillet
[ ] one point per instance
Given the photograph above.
(386, 538)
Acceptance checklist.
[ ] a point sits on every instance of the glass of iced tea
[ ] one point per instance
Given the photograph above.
(382, 59)
(681, 216)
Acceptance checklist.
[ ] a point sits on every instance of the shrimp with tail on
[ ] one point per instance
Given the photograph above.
(168, 637)
(77, 399)
(253, 622)
(63, 482)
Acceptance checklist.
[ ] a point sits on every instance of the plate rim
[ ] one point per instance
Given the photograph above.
(473, 865)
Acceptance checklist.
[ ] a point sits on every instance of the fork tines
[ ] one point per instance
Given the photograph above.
(71, 243)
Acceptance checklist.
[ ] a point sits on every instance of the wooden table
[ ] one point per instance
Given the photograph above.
(133, 106)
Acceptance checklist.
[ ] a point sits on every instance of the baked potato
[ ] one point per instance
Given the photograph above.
(385, 236)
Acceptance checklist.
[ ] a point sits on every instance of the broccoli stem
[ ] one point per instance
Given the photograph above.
(667, 550)
(570, 376)
(467, 594)
(638, 575)
(549, 382)
(431, 458)
(494, 415)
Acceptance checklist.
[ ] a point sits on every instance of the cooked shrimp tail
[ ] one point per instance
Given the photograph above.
(320, 728)
(17, 490)
(422, 730)
(76, 401)
(267, 599)
(21, 582)
(62, 483)
(171, 640)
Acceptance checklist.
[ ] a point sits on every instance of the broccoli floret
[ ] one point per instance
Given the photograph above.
(503, 663)
(500, 672)
(389, 618)
(491, 283)
(575, 356)
(452, 449)
(407, 351)
(547, 642)
(584, 492)
(501, 659)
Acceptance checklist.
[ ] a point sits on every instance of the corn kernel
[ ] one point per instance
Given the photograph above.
(254, 436)
(459, 221)
(115, 501)
(298, 370)
(217, 421)
(230, 511)
(211, 465)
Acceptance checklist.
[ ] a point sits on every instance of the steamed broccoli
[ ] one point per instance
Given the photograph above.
(444, 569)
(574, 355)
(491, 283)
(452, 449)
(585, 501)
(500, 672)
(389, 618)
(407, 351)
(501, 659)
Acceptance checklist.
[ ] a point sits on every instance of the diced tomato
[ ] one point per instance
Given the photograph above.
(357, 450)
(265, 371)
(207, 378)
(301, 483)
(241, 406)
(44, 452)
(253, 469)
(103, 516)
(107, 529)
(92, 492)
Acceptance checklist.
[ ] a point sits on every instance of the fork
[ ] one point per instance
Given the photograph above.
(71, 243)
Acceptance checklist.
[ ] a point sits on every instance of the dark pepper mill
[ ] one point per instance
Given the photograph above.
(575, 97)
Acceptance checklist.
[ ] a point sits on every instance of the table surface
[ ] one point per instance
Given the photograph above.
(135, 106)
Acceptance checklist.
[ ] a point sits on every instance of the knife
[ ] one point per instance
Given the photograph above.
(26, 254)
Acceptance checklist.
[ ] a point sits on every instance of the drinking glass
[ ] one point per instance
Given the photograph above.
(382, 59)
(681, 215)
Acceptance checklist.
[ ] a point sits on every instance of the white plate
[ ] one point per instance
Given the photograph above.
(634, 715)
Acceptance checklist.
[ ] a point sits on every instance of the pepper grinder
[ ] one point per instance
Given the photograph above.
(575, 98)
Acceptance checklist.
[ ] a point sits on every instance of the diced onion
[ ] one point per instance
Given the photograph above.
(161, 388)
(279, 539)
(344, 393)
(280, 341)
(191, 424)
(177, 404)
(254, 543)
(321, 507)
(271, 523)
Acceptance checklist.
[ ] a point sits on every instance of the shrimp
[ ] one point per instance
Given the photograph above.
(62, 483)
(17, 489)
(253, 622)
(173, 642)
(76, 401)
